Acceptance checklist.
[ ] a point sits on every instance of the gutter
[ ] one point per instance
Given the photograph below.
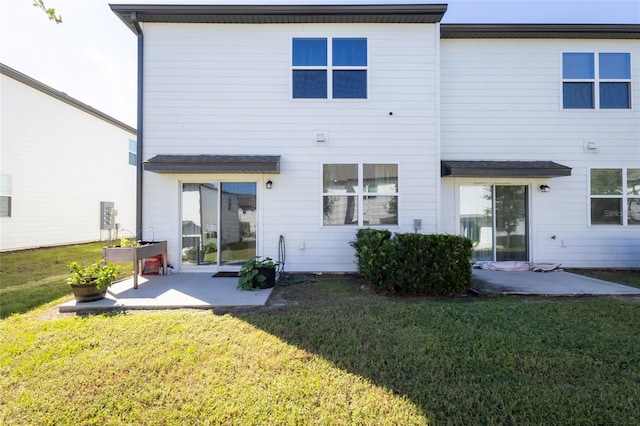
(139, 152)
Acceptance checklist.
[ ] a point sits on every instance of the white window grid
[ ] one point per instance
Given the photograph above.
(595, 81)
(329, 68)
(624, 197)
(360, 194)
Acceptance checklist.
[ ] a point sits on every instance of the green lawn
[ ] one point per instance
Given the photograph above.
(30, 278)
(630, 277)
(329, 353)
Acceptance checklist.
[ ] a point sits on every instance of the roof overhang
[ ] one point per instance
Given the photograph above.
(563, 31)
(546, 169)
(281, 14)
(213, 164)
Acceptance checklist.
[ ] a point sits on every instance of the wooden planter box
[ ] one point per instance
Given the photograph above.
(137, 255)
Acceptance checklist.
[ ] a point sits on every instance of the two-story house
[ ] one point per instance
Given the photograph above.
(270, 129)
(67, 170)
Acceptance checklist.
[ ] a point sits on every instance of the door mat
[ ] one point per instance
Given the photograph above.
(225, 275)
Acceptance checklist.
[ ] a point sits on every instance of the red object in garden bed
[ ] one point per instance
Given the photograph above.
(153, 265)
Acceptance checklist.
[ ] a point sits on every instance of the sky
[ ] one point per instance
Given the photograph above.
(92, 56)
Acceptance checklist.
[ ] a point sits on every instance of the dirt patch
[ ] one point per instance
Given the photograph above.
(53, 312)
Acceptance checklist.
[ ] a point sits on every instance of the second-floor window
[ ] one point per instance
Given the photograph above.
(596, 80)
(329, 68)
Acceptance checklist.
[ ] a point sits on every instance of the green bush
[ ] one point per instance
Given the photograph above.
(374, 257)
(413, 264)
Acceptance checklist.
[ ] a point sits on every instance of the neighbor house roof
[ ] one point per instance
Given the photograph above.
(281, 14)
(63, 97)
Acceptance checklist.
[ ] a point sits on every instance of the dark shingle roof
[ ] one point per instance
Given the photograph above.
(168, 163)
(280, 14)
(504, 168)
(565, 31)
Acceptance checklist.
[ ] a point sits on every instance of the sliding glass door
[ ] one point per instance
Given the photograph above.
(218, 223)
(495, 218)
(238, 220)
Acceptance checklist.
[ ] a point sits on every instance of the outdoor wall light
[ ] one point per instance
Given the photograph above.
(545, 188)
(269, 184)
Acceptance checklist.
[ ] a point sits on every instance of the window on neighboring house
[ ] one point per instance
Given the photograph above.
(360, 194)
(596, 81)
(133, 152)
(5, 195)
(615, 196)
(334, 68)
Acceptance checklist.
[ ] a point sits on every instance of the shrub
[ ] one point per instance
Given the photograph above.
(374, 257)
(414, 264)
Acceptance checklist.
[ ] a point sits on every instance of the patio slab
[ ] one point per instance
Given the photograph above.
(196, 290)
(556, 283)
(175, 291)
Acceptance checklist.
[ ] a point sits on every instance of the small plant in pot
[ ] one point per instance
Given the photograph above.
(129, 242)
(90, 282)
(258, 273)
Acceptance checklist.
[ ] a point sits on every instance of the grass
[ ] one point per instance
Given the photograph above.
(330, 352)
(31, 278)
(630, 277)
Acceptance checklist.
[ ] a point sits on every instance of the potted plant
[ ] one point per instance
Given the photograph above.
(90, 282)
(257, 273)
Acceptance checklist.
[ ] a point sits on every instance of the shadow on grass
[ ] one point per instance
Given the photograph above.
(464, 361)
(23, 298)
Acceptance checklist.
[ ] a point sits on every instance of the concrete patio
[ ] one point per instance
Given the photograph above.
(196, 290)
(175, 291)
(556, 283)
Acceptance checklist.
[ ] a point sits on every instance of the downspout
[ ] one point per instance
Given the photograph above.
(139, 153)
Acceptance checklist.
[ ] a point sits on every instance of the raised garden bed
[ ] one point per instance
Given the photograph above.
(137, 255)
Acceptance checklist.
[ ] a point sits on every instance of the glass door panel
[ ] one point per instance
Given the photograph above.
(199, 223)
(511, 222)
(209, 234)
(476, 219)
(494, 217)
(238, 222)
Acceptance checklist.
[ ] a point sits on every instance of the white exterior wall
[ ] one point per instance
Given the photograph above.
(63, 163)
(225, 89)
(502, 100)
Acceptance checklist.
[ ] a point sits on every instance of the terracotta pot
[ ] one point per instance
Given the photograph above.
(88, 293)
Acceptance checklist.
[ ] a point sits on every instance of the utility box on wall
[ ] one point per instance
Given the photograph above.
(107, 215)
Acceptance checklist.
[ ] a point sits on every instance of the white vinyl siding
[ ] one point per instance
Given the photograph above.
(502, 100)
(205, 94)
